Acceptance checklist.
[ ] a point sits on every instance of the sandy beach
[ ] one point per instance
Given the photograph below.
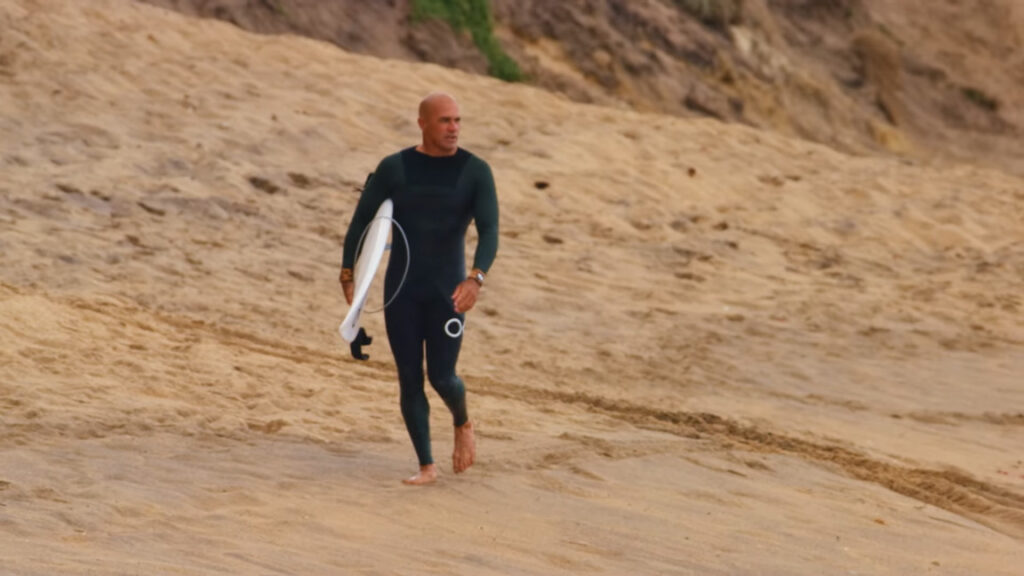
(703, 348)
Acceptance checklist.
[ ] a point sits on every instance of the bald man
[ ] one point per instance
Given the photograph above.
(437, 189)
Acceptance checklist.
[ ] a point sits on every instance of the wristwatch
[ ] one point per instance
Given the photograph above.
(478, 276)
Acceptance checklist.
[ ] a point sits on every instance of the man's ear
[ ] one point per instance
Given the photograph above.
(422, 123)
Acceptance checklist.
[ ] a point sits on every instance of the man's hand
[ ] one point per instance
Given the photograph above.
(348, 285)
(465, 295)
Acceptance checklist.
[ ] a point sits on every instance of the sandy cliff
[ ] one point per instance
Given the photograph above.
(937, 81)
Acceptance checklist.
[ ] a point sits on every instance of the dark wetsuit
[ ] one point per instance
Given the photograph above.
(434, 198)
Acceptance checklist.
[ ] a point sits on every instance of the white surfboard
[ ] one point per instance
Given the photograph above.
(367, 261)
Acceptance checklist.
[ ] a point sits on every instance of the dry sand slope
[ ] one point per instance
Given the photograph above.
(703, 349)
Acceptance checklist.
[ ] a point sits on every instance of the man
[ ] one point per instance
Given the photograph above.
(437, 188)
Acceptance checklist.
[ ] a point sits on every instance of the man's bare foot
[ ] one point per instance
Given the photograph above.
(465, 448)
(426, 475)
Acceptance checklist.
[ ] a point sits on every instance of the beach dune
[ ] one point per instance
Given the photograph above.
(703, 349)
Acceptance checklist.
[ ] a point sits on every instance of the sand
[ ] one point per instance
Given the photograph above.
(703, 349)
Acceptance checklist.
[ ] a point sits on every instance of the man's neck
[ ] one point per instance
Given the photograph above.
(435, 152)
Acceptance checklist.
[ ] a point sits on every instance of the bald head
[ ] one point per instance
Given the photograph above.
(433, 100)
(439, 122)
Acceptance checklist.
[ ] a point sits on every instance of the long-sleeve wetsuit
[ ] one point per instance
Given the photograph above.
(435, 197)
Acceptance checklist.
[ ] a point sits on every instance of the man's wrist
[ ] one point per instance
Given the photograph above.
(477, 275)
(346, 275)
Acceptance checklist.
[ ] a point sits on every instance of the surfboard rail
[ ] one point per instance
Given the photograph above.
(367, 262)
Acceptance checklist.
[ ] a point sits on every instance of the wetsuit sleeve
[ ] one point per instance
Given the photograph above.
(377, 189)
(485, 215)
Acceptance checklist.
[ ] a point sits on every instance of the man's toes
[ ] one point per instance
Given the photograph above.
(461, 463)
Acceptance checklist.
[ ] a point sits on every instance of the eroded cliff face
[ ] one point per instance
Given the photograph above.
(942, 81)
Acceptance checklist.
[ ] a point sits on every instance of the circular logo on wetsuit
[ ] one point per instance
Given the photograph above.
(453, 328)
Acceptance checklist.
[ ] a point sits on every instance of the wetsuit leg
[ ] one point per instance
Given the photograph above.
(406, 322)
(442, 354)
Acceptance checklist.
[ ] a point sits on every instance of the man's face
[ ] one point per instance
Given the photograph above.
(440, 126)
